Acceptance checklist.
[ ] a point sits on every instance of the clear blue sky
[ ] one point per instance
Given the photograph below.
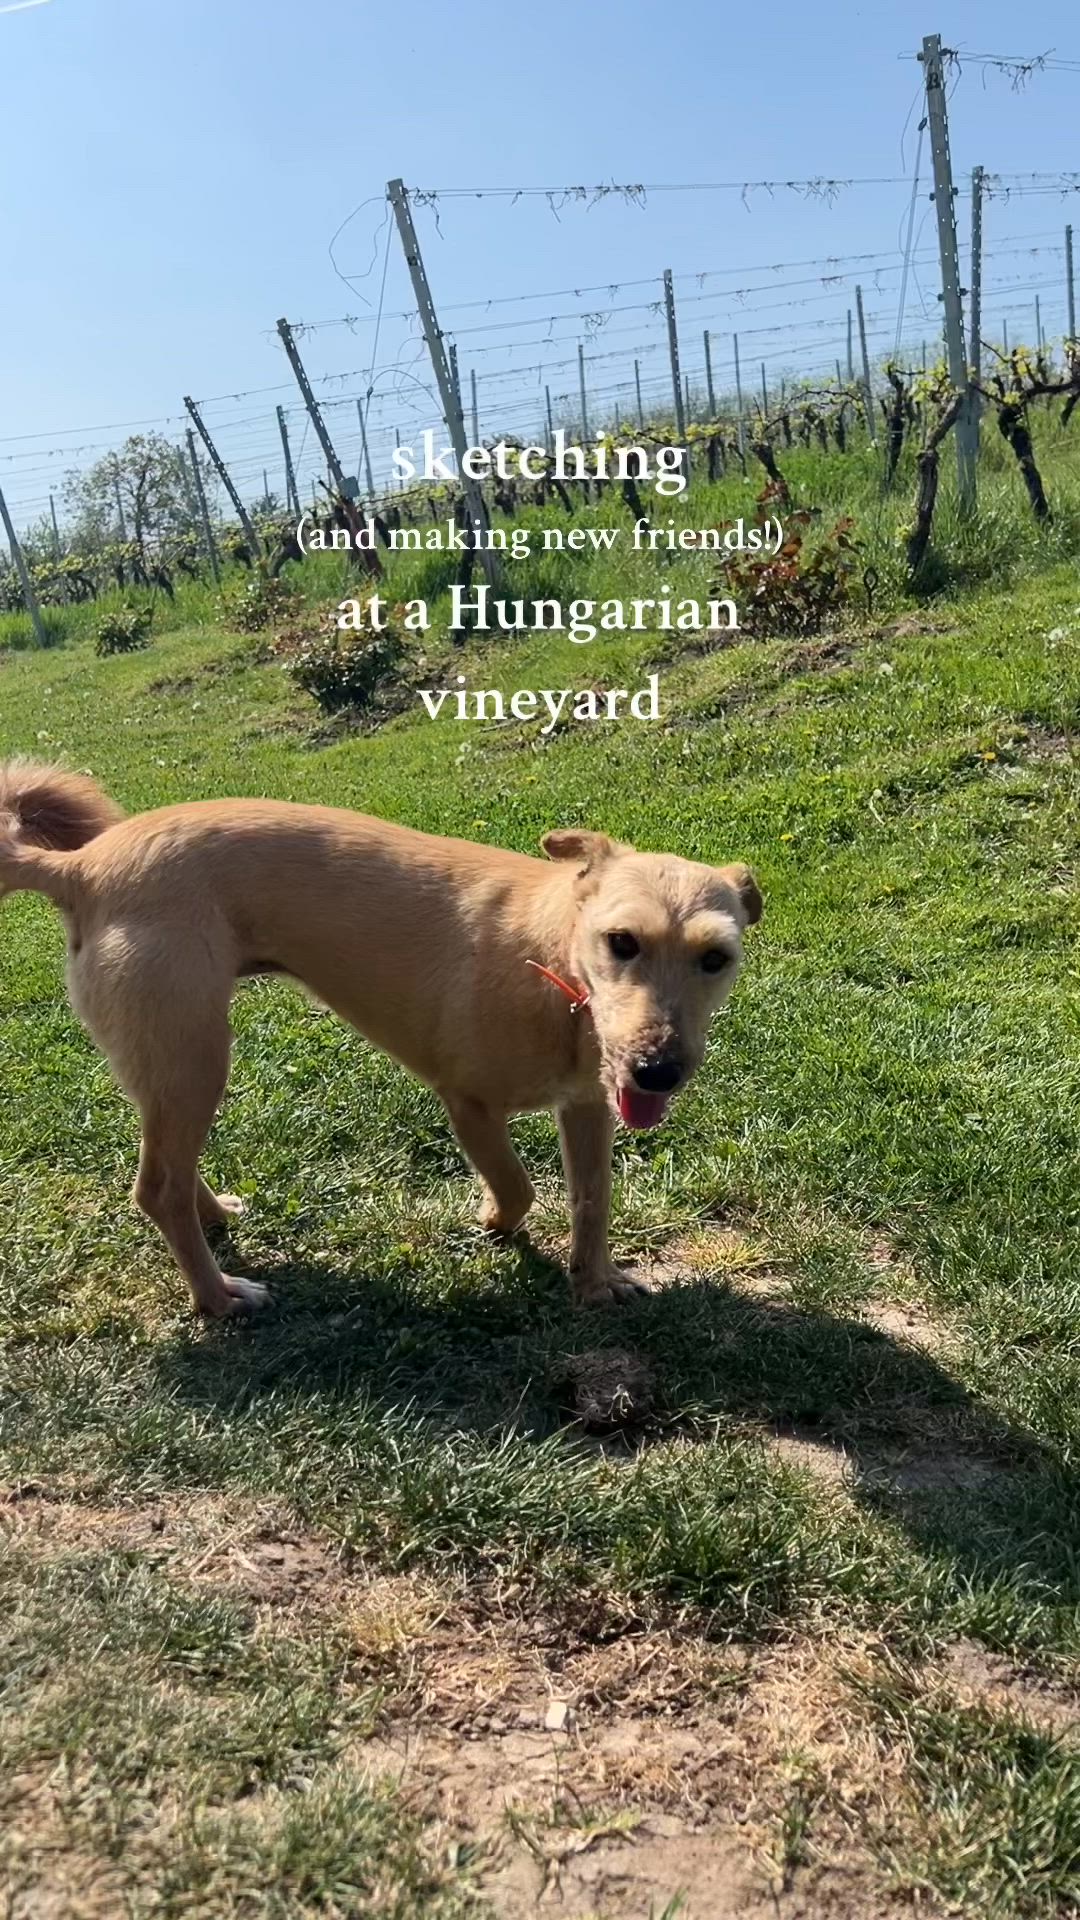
(173, 172)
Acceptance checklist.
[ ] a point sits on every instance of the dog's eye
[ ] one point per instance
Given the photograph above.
(714, 960)
(623, 945)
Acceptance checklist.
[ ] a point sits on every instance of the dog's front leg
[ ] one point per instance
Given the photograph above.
(585, 1135)
(508, 1191)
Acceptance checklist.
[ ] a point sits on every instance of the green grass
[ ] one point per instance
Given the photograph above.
(18, 635)
(132, 1694)
(888, 1112)
(999, 1799)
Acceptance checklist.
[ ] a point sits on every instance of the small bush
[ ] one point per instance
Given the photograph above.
(125, 630)
(796, 590)
(258, 602)
(343, 669)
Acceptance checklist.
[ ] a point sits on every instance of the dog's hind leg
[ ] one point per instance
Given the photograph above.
(176, 1118)
(508, 1191)
(165, 1030)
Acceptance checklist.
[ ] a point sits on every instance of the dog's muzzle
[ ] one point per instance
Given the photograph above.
(657, 1072)
(643, 1099)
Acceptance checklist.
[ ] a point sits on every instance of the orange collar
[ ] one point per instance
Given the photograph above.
(577, 996)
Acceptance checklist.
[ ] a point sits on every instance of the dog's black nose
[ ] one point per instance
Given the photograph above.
(659, 1073)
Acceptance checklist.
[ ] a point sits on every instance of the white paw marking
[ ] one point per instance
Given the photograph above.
(617, 1287)
(248, 1295)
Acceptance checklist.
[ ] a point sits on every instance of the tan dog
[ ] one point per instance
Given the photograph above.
(434, 949)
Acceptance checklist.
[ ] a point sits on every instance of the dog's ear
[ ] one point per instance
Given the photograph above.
(749, 892)
(575, 843)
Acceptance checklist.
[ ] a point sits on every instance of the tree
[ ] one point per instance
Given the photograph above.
(142, 491)
(36, 541)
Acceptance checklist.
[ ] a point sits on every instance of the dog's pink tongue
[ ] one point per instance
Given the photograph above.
(641, 1110)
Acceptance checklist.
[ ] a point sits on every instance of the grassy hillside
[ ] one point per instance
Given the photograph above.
(817, 1621)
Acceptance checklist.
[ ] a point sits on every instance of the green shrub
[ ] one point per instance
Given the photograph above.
(257, 602)
(343, 669)
(800, 588)
(124, 630)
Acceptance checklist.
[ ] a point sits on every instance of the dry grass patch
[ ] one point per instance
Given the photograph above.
(978, 1677)
(811, 1452)
(585, 1761)
(736, 1778)
(249, 1547)
(895, 1309)
(709, 1250)
(44, 1874)
(1047, 746)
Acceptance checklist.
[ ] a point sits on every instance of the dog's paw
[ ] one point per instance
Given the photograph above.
(247, 1296)
(608, 1289)
(218, 1209)
(501, 1220)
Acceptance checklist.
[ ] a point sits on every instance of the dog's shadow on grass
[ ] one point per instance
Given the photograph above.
(839, 1398)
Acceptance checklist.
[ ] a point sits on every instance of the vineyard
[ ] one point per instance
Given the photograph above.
(883, 359)
(869, 520)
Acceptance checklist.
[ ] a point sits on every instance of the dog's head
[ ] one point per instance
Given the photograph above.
(657, 942)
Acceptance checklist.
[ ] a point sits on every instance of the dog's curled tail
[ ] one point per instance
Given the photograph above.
(46, 814)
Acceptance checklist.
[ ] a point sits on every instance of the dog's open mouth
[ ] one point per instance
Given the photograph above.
(641, 1110)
